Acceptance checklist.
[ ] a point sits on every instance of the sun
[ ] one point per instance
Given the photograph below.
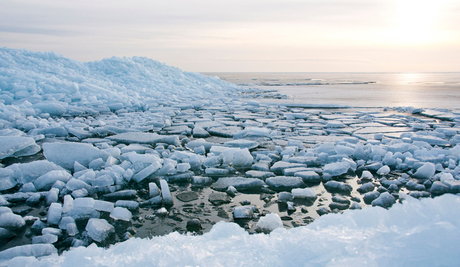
(417, 21)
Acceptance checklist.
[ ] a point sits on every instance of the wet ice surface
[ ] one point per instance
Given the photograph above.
(121, 168)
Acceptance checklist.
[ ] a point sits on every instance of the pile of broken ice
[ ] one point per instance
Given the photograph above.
(104, 127)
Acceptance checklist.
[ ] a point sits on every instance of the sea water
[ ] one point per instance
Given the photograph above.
(419, 90)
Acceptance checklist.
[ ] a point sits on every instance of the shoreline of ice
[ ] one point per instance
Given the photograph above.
(426, 236)
(108, 139)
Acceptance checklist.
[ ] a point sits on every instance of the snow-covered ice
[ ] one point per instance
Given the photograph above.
(101, 136)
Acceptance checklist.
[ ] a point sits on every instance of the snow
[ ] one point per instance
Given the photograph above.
(269, 222)
(371, 237)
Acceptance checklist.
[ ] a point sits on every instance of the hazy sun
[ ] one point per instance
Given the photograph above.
(417, 21)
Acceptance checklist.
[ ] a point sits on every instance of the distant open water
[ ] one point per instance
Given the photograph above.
(419, 90)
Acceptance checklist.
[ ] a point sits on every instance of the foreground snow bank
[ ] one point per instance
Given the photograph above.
(416, 233)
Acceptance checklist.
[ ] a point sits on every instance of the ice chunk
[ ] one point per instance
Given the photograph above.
(385, 200)
(384, 170)
(35, 250)
(66, 154)
(336, 168)
(285, 183)
(101, 205)
(7, 180)
(54, 213)
(426, 171)
(138, 177)
(335, 186)
(183, 167)
(309, 177)
(129, 204)
(45, 181)
(120, 213)
(28, 172)
(11, 221)
(439, 188)
(51, 107)
(9, 145)
(145, 138)
(165, 193)
(199, 132)
(269, 222)
(245, 212)
(239, 183)
(99, 229)
(303, 193)
(52, 196)
(153, 190)
(242, 143)
(44, 239)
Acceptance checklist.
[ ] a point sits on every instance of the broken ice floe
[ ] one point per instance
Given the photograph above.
(104, 151)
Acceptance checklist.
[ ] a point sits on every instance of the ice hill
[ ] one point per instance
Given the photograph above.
(45, 82)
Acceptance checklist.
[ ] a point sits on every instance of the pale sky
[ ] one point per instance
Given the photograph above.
(244, 35)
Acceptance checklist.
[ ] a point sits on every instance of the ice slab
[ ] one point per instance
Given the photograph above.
(11, 145)
(66, 154)
(99, 229)
(45, 181)
(35, 250)
(145, 138)
(239, 183)
(285, 183)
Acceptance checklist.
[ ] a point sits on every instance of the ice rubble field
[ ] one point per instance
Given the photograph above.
(103, 138)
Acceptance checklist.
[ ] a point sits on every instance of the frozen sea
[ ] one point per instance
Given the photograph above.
(419, 90)
(92, 151)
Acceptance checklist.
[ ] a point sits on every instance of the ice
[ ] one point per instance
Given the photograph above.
(165, 193)
(66, 154)
(303, 193)
(244, 212)
(101, 205)
(242, 144)
(384, 170)
(426, 171)
(336, 168)
(309, 177)
(120, 213)
(336, 186)
(11, 221)
(45, 181)
(7, 180)
(138, 177)
(385, 200)
(238, 157)
(123, 194)
(51, 99)
(99, 229)
(11, 146)
(239, 183)
(284, 183)
(262, 175)
(129, 204)
(145, 138)
(153, 190)
(269, 222)
(44, 239)
(200, 132)
(439, 188)
(54, 213)
(35, 250)
(52, 196)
